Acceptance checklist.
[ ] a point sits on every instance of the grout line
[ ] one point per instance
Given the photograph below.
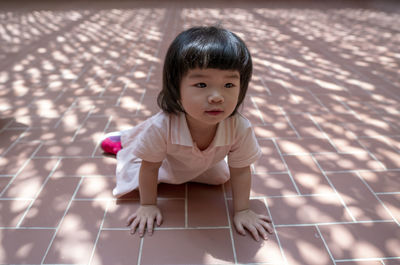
(18, 140)
(323, 132)
(38, 192)
(388, 193)
(110, 118)
(61, 221)
(364, 170)
(20, 169)
(369, 259)
(326, 245)
(287, 168)
(370, 153)
(290, 123)
(140, 250)
(82, 124)
(27, 228)
(5, 127)
(265, 86)
(337, 223)
(377, 197)
(98, 233)
(276, 233)
(177, 228)
(186, 205)
(65, 113)
(258, 110)
(349, 109)
(109, 82)
(323, 153)
(334, 188)
(140, 102)
(229, 225)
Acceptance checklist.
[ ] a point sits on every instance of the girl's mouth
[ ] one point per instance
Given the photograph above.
(214, 112)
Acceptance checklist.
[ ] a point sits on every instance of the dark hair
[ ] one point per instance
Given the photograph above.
(203, 47)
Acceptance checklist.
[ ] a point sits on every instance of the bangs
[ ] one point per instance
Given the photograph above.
(222, 51)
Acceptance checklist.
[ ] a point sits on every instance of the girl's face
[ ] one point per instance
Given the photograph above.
(209, 96)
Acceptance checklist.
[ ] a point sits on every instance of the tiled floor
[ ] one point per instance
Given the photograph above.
(324, 102)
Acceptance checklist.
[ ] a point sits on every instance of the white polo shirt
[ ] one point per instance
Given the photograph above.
(166, 137)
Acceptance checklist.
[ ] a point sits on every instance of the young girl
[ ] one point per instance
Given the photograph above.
(205, 78)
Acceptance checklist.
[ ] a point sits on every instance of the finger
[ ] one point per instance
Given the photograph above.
(267, 227)
(265, 218)
(134, 225)
(240, 229)
(142, 227)
(253, 232)
(150, 224)
(130, 219)
(159, 219)
(261, 231)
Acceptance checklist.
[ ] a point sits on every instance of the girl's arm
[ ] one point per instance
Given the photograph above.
(243, 216)
(148, 180)
(148, 210)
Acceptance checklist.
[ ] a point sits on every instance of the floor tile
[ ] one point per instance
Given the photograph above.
(12, 211)
(207, 246)
(30, 180)
(206, 206)
(305, 146)
(92, 129)
(74, 241)
(362, 241)
(108, 252)
(265, 184)
(307, 210)
(4, 182)
(270, 161)
(16, 157)
(309, 249)
(347, 145)
(360, 201)
(96, 187)
(104, 166)
(309, 130)
(83, 148)
(361, 263)
(51, 204)
(278, 130)
(307, 175)
(8, 137)
(171, 191)
(383, 152)
(342, 162)
(372, 130)
(392, 203)
(26, 247)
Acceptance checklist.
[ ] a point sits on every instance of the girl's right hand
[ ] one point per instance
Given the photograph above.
(144, 217)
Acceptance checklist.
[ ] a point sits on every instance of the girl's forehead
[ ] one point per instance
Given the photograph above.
(210, 72)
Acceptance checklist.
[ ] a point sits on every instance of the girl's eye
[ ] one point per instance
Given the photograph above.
(229, 85)
(201, 85)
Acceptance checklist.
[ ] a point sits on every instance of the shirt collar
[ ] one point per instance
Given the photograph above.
(180, 133)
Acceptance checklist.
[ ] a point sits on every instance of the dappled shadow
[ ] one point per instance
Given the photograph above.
(324, 102)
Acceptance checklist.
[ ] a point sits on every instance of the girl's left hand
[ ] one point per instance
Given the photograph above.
(256, 224)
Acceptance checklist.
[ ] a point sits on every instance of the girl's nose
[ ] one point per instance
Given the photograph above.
(216, 97)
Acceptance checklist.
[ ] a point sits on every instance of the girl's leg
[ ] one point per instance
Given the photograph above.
(218, 174)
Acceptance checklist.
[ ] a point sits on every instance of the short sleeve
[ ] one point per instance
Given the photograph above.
(148, 141)
(245, 150)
